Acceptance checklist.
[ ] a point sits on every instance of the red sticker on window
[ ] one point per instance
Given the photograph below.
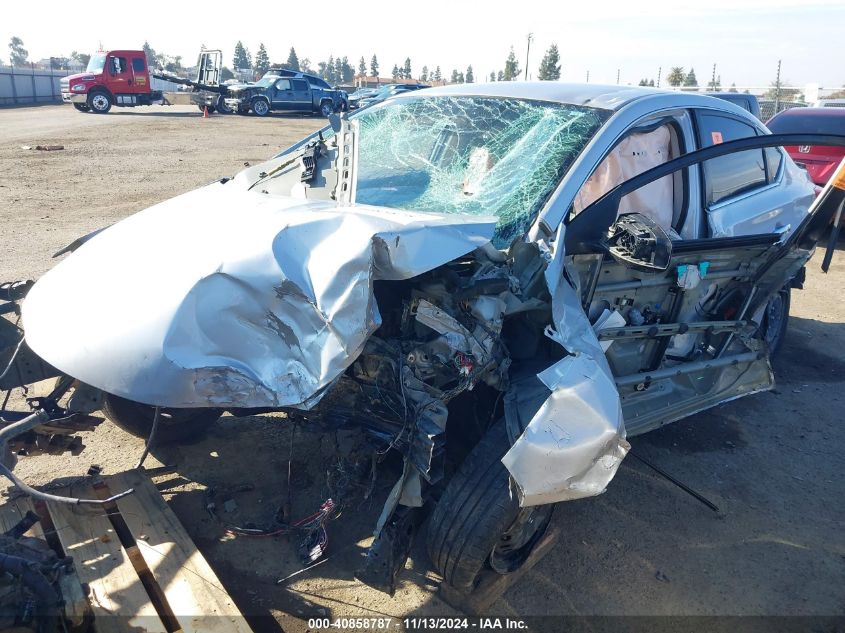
(717, 137)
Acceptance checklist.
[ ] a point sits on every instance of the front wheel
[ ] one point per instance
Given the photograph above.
(99, 102)
(326, 108)
(260, 107)
(478, 523)
(174, 425)
(81, 107)
(222, 108)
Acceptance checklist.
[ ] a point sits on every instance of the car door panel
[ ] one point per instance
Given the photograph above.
(682, 338)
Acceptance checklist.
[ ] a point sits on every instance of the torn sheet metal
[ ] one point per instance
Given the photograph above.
(222, 297)
(575, 442)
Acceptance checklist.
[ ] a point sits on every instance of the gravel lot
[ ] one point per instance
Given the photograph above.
(772, 462)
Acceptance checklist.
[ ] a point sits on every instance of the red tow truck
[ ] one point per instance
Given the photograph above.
(122, 78)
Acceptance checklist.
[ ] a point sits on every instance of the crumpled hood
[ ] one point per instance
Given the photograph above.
(222, 297)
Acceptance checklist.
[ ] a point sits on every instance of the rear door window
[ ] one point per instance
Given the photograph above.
(736, 173)
(300, 85)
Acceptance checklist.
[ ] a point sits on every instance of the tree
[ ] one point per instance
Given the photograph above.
(82, 58)
(305, 65)
(406, 69)
(362, 66)
(171, 64)
(347, 73)
(454, 78)
(715, 84)
(643, 82)
(470, 77)
(500, 76)
(262, 61)
(492, 75)
(241, 58)
(293, 61)
(396, 73)
(150, 54)
(424, 74)
(676, 76)
(226, 74)
(733, 88)
(511, 67)
(690, 81)
(17, 53)
(437, 75)
(651, 83)
(783, 94)
(550, 66)
(461, 78)
(374, 66)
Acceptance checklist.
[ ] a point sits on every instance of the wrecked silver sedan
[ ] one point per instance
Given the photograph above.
(499, 281)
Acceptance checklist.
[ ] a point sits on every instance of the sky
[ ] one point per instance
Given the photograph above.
(744, 38)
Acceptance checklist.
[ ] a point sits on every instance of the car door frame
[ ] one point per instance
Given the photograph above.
(281, 98)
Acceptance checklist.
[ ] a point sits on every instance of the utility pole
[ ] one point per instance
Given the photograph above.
(777, 90)
(713, 79)
(527, 51)
(588, 76)
(617, 76)
(659, 72)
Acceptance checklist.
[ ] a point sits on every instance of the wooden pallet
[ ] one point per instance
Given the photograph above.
(143, 571)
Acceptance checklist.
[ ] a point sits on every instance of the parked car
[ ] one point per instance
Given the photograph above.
(286, 91)
(497, 283)
(361, 93)
(386, 91)
(820, 161)
(745, 101)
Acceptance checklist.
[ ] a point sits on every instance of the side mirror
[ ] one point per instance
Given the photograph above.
(638, 242)
(334, 121)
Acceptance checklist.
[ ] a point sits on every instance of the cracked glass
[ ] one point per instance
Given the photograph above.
(470, 155)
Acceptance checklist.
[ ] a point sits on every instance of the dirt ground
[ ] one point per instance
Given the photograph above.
(772, 462)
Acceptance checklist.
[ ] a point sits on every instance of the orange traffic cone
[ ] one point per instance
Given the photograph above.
(205, 112)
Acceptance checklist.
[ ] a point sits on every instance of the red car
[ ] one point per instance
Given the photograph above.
(820, 162)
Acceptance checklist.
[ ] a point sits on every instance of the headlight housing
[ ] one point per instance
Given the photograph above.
(78, 88)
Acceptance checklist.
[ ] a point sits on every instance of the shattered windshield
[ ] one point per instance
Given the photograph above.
(96, 63)
(470, 155)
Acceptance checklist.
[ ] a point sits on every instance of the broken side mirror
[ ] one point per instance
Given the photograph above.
(638, 242)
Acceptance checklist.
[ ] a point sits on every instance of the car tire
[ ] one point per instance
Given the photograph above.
(261, 107)
(222, 108)
(81, 107)
(175, 425)
(776, 319)
(473, 526)
(99, 102)
(326, 108)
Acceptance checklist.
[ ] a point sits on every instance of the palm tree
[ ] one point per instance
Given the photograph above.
(676, 76)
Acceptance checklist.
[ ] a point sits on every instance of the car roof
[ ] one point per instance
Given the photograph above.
(808, 120)
(606, 97)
